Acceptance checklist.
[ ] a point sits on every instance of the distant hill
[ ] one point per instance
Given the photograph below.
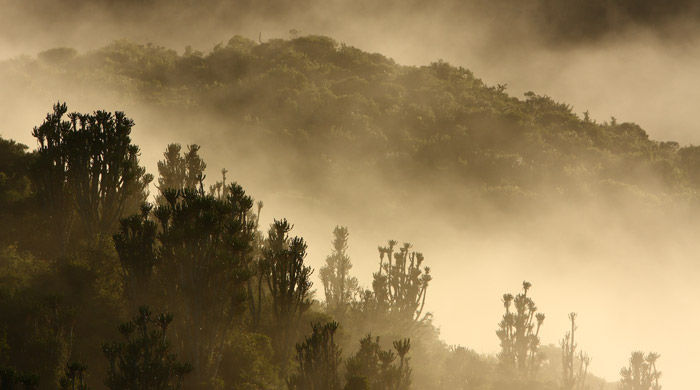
(329, 113)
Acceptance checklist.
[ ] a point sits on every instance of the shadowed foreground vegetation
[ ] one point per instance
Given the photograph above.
(88, 265)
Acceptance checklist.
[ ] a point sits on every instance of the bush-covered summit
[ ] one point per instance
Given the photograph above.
(348, 111)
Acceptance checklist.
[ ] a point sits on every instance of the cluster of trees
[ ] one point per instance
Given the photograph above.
(82, 249)
(346, 110)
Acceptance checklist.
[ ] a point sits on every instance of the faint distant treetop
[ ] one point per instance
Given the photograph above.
(518, 332)
(177, 171)
(338, 285)
(641, 374)
(574, 367)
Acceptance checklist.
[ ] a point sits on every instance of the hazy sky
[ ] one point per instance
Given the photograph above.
(631, 281)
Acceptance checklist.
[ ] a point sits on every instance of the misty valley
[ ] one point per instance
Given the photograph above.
(299, 213)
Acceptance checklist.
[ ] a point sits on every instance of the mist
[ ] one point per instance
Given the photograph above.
(627, 267)
(597, 56)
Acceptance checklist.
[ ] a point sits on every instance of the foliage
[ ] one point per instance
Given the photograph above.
(177, 172)
(248, 362)
(136, 245)
(201, 254)
(641, 374)
(256, 284)
(15, 191)
(11, 379)
(144, 360)
(52, 314)
(203, 257)
(337, 105)
(318, 358)
(376, 368)
(519, 332)
(339, 287)
(220, 190)
(14, 180)
(465, 370)
(288, 280)
(74, 377)
(400, 285)
(87, 165)
(574, 368)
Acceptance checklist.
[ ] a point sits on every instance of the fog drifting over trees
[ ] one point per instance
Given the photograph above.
(398, 120)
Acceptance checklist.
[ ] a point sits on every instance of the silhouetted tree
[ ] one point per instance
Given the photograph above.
(574, 368)
(88, 165)
(177, 172)
(400, 285)
(204, 255)
(338, 286)
(641, 374)
(518, 332)
(16, 209)
(144, 360)
(14, 180)
(363, 366)
(136, 245)
(318, 358)
(288, 280)
(202, 258)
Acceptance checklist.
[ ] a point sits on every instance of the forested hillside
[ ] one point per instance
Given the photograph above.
(349, 112)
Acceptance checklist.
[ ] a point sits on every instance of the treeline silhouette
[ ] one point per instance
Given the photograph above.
(101, 288)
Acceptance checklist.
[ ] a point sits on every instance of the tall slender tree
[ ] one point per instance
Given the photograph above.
(288, 281)
(574, 367)
(518, 332)
(339, 287)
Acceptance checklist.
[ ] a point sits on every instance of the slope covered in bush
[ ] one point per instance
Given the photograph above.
(349, 112)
